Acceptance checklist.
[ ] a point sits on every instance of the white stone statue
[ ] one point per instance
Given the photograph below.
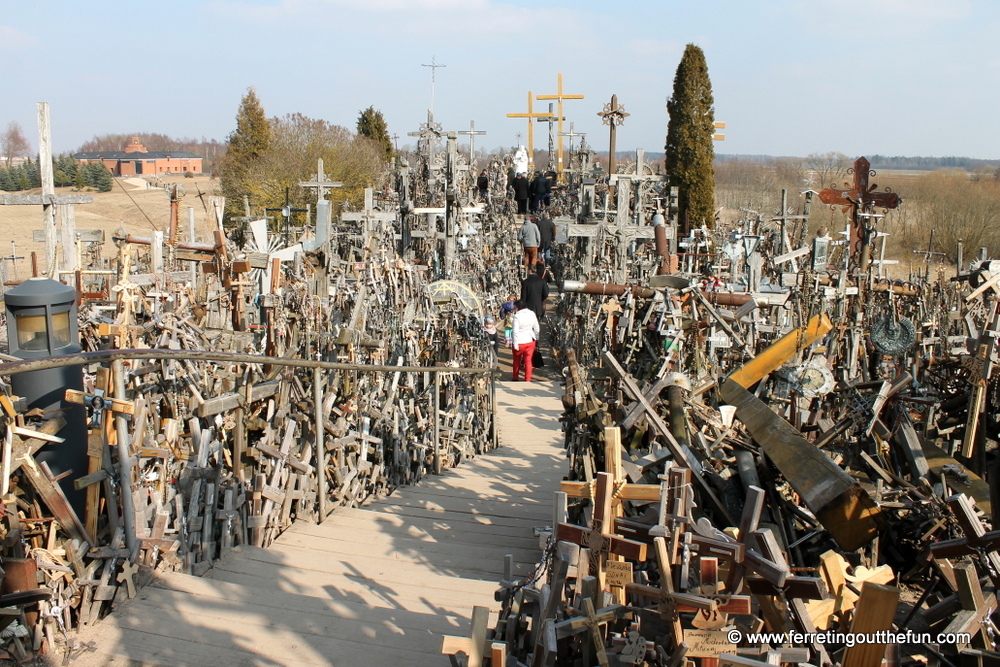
(521, 160)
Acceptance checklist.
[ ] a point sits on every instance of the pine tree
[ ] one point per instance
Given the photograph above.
(245, 147)
(252, 136)
(371, 124)
(689, 150)
(78, 180)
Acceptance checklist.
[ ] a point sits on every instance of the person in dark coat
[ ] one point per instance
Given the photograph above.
(521, 187)
(547, 230)
(534, 291)
(539, 186)
(483, 183)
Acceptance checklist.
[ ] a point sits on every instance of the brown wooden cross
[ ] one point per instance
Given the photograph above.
(591, 622)
(976, 607)
(599, 538)
(559, 97)
(531, 116)
(859, 198)
(670, 599)
(976, 539)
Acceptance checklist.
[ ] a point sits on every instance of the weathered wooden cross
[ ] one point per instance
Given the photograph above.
(600, 538)
(559, 97)
(531, 115)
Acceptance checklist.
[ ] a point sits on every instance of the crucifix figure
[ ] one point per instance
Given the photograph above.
(599, 538)
(434, 68)
(559, 97)
(472, 132)
(862, 200)
(613, 115)
(531, 116)
(550, 119)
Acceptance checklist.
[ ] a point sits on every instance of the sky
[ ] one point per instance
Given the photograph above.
(789, 77)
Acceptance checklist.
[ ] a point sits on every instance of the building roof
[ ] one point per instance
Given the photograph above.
(121, 155)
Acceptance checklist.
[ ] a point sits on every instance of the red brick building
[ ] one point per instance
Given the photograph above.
(135, 160)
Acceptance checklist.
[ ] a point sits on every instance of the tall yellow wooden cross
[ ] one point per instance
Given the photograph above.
(531, 116)
(560, 96)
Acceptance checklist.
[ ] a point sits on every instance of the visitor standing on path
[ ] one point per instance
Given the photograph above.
(534, 291)
(547, 232)
(507, 311)
(521, 187)
(526, 332)
(530, 238)
(539, 186)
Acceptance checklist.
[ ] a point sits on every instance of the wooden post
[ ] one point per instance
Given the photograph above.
(874, 611)
(320, 445)
(48, 188)
(435, 405)
(69, 250)
(124, 459)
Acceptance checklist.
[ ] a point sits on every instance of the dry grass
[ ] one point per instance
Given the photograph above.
(139, 211)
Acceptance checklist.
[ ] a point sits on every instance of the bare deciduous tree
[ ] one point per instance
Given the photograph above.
(827, 168)
(13, 143)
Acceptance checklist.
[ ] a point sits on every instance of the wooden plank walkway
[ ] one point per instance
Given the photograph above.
(375, 586)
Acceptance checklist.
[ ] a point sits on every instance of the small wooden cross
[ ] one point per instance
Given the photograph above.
(976, 608)
(976, 539)
(129, 570)
(476, 646)
(599, 538)
(714, 619)
(590, 622)
(668, 598)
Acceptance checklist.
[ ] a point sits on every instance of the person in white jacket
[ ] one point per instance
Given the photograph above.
(525, 337)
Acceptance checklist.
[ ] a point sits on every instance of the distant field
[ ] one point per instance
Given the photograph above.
(124, 206)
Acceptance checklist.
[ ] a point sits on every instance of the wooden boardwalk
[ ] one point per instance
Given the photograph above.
(378, 585)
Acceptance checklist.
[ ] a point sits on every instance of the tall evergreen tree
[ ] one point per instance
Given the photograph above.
(371, 124)
(689, 150)
(245, 147)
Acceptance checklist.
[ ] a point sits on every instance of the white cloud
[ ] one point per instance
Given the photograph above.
(12, 40)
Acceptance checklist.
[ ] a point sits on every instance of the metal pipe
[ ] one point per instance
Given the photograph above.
(102, 356)
(124, 460)
(610, 289)
(182, 245)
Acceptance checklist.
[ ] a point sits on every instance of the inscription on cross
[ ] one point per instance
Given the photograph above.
(599, 538)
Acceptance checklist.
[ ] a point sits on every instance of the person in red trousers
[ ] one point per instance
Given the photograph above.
(525, 336)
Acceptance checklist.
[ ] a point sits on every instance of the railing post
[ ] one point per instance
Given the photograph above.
(320, 445)
(437, 422)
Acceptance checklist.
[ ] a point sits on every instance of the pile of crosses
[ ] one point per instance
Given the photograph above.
(235, 386)
(782, 440)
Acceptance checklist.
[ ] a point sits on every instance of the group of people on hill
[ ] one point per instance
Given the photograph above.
(521, 316)
(531, 195)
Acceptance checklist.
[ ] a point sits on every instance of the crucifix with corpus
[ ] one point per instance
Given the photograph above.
(862, 200)
(472, 132)
(559, 97)
(531, 116)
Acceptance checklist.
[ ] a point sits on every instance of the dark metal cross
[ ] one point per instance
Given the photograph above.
(862, 200)
(613, 115)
